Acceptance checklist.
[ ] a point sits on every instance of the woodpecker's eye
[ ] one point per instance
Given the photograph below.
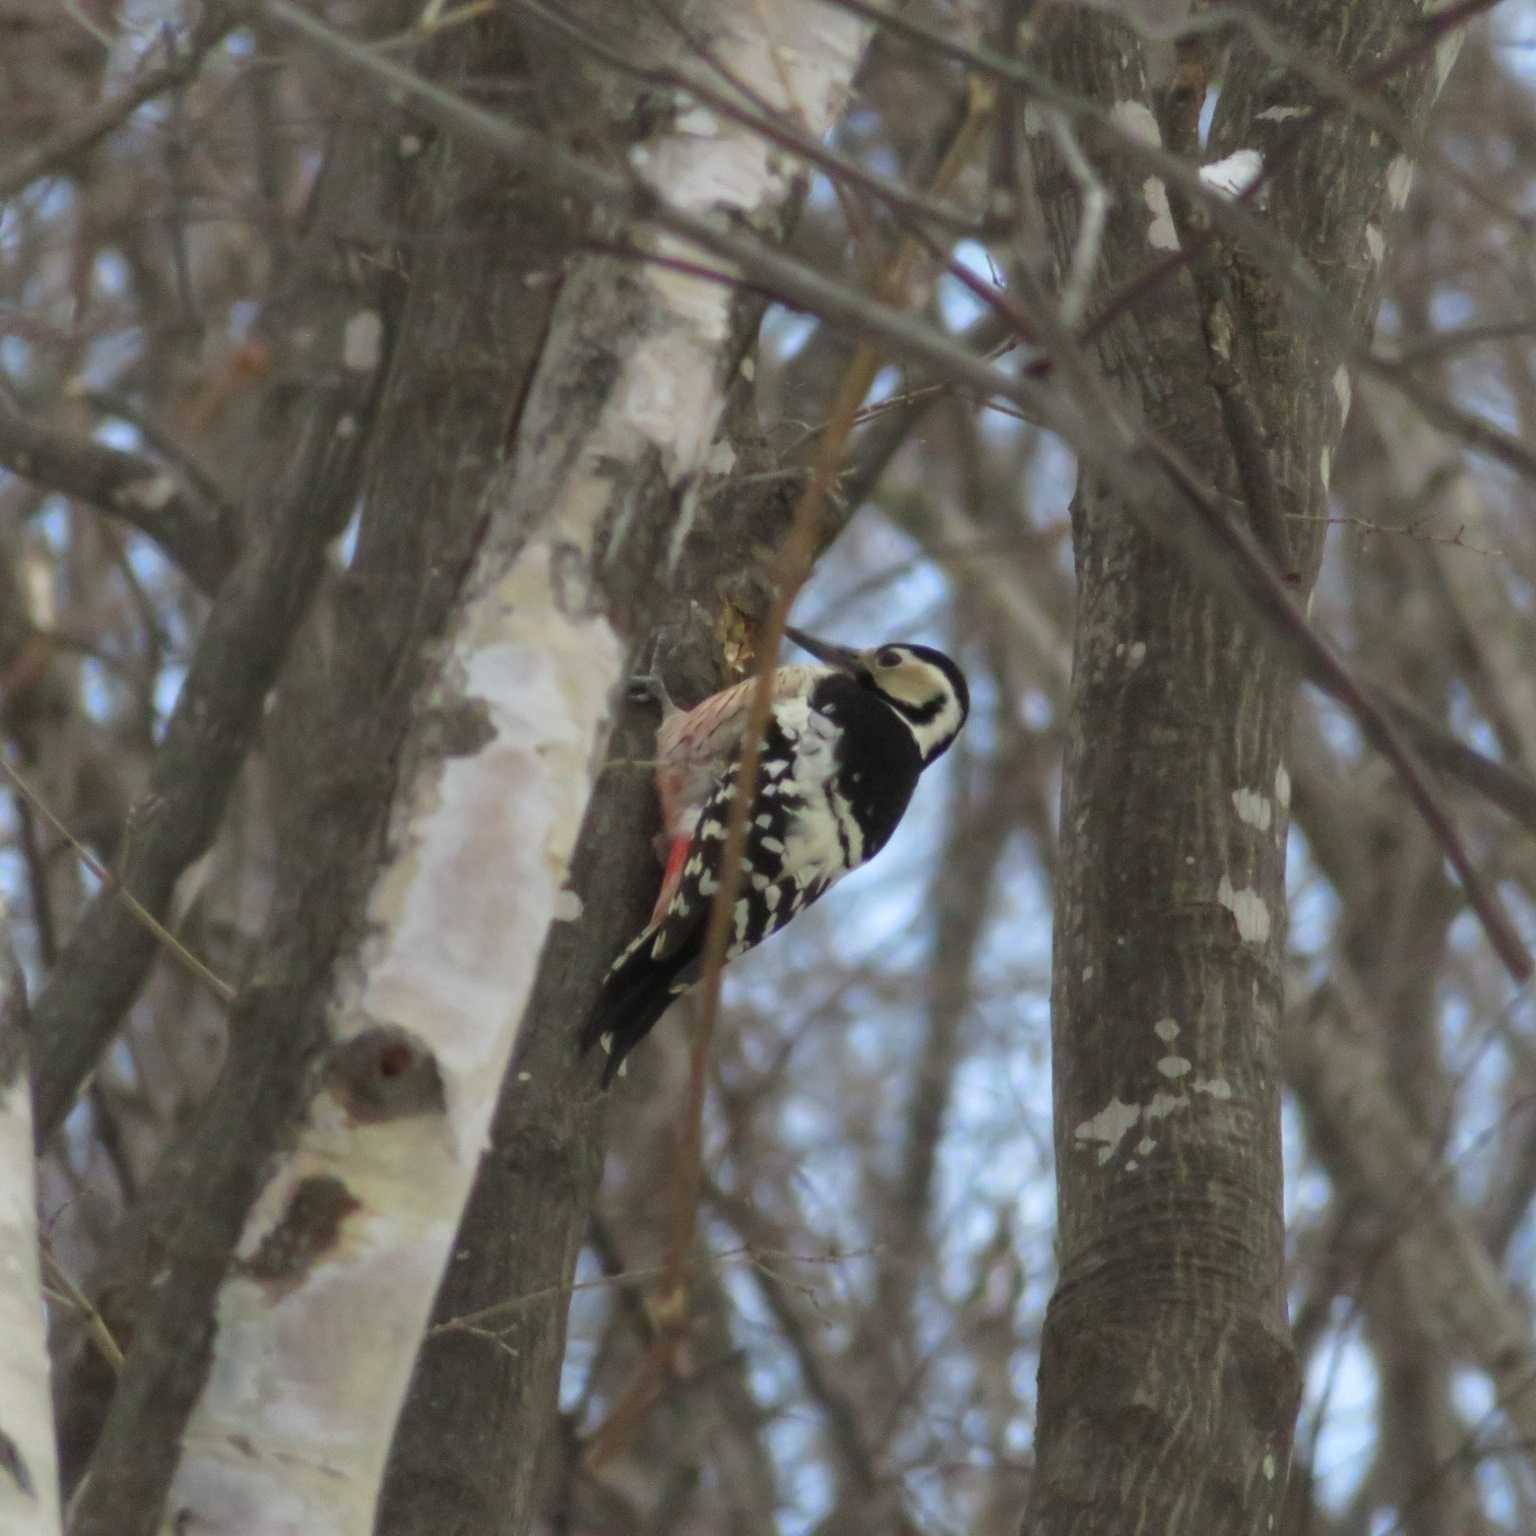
(889, 657)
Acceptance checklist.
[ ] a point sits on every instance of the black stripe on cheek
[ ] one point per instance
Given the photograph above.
(918, 714)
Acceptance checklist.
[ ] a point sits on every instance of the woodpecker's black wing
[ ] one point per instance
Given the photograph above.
(665, 960)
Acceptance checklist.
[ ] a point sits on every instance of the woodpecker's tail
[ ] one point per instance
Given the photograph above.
(635, 993)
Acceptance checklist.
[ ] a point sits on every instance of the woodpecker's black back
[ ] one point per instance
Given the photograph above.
(836, 773)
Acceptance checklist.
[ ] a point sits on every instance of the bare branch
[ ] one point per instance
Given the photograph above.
(197, 538)
(56, 154)
(110, 883)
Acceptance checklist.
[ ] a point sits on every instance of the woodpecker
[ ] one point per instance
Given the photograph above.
(843, 749)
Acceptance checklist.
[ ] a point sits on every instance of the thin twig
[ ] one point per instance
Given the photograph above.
(1235, 561)
(110, 882)
(164, 442)
(1323, 668)
(128, 486)
(1090, 233)
(1443, 344)
(1230, 357)
(1512, 791)
(69, 143)
(74, 1297)
(482, 1320)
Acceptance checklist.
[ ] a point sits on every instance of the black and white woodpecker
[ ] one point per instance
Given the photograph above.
(844, 747)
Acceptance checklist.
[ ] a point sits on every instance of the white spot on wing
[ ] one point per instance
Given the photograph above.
(1166, 1030)
(1135, 120)
(1161, 236)
(699, 121)
(1253, 808)
(1446, 52)
(1233, 176)
(1173, 1066)
(362, 342)
(1341, 389)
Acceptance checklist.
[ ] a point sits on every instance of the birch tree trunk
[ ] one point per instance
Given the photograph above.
(320, 1314)
(29, 1477)
(1167, 1382)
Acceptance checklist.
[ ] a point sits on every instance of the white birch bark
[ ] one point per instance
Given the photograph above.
(291, 1434)
(29, 1474)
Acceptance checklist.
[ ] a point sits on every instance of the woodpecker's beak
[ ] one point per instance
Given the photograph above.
(834, 655)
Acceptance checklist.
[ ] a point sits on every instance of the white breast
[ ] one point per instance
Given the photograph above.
(813, 850)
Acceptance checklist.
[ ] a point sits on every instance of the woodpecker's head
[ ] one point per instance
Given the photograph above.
(922, 685)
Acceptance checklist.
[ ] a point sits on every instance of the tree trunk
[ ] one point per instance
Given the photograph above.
(1167, 1382)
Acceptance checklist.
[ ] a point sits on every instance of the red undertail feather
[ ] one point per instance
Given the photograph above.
(677, 852)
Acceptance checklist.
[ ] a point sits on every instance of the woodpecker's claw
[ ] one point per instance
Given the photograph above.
(646, 688)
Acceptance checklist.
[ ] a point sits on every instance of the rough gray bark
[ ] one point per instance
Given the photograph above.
(1167, 1382)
